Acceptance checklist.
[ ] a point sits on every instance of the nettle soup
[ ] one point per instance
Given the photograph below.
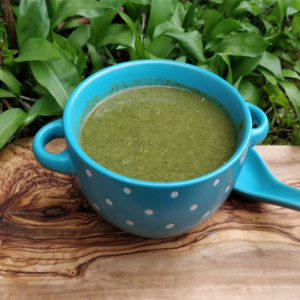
(158, 134)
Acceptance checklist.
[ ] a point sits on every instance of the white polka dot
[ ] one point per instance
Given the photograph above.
(227, 189)
(205, 215)
(96, 206)
(149, 212)
(109, 202)
(202, 98)
(193, 207)
(129, 222)
(169, 226)
(88, 172)
(174, 194)
(127, 190)
(216, 182)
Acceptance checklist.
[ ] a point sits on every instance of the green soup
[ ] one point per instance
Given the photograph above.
(158, 134)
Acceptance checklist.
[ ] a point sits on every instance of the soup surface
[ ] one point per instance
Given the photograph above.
(158, 134)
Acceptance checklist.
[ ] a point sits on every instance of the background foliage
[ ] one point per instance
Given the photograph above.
(253, 44)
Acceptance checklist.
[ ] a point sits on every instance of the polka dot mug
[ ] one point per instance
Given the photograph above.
(150, 209)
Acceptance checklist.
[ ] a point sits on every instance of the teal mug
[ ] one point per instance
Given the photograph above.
(150, 209)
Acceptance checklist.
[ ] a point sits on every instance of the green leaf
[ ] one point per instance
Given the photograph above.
(52, 6)
(272, 80)
(86, 8)
(46, 106)
(291, 11)
(296, 4)
(99, 24)
(296, 25)
(10, 121)
(117, 4)
(293, 94)
(181, 58)
(191, 43)
(189, 20)
(276, 96)
(11, 82)
(278, 12)
(265, 72)
(60, 77)
(73, 23)
(211, 19)
(179, 14)
(33, 21)
(244, 66)
(268, 26)
(250, 27)
(290, 74)
(272, 63)
(6, 51)
(160, 12)
(243, 44)
(41, 90)
(81, 62)
(237, 83)
(6, 94)
(247, 6)
(168, 26)
(210, 68)
(284, 56)
(150, 56)
(131, 10)
(161, 46)
(38, 49)
(249, 92)
(79, 37)
(297, 66)
(108, 54)
(276, 38)
(142, 2)
(138, 44)
(226, 59)
(229, 6)
(296, 139)
(118, 34)
(64, 45)
(225, 26)
(96, 58)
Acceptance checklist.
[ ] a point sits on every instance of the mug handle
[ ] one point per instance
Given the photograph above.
(60, 162)
(260, 119)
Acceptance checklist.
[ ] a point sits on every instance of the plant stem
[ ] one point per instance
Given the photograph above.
(2, 62)
(28, 99)
(9, 23)
(6, 103)
(268, 110)
(282, 129)
(25, 105)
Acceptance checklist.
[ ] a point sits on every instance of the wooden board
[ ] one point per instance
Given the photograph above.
(53, 245)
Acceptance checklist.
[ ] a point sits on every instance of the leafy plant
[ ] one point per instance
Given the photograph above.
(253, 44)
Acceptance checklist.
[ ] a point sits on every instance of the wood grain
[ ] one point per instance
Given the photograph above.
(53, 245)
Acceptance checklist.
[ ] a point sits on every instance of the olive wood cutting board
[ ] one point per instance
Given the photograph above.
(53, 245)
